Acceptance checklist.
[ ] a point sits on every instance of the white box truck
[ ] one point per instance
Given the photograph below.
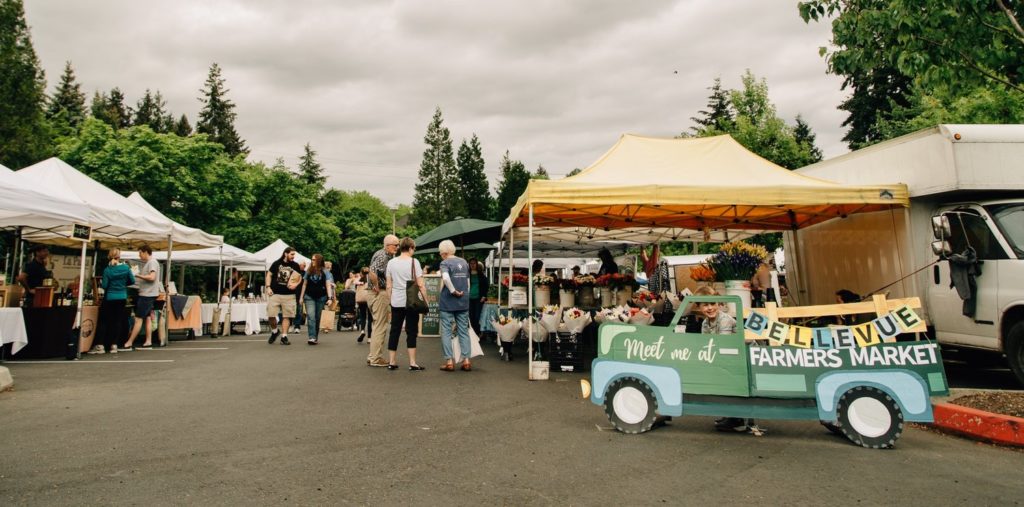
(966, 184)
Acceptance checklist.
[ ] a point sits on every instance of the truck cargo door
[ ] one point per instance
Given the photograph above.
(969, 228)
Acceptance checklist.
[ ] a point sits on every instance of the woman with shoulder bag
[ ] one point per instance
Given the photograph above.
(314, 295)
(404, 275)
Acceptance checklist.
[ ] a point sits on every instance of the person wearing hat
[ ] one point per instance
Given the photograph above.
(36, 270)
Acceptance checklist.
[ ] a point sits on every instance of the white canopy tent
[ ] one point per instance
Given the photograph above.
(22, 205)
(273, 251)
(228, 255)
(182, 235)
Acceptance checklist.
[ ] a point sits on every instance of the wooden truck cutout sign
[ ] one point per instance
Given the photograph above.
(858, 380)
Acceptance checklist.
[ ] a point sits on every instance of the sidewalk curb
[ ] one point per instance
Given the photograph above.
(979, 425)
(6, 382)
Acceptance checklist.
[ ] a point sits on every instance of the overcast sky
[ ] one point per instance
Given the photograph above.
(553, 82)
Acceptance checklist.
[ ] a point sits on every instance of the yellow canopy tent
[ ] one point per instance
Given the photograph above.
(647, 190)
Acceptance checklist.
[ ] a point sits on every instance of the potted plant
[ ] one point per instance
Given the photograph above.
(542, 289)
(735, 264)
(585, 292)
(567, 292)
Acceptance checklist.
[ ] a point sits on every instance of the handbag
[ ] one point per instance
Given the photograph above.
(413, 298)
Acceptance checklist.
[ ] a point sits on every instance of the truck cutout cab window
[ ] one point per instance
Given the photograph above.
(1010, 220)
(970, 229)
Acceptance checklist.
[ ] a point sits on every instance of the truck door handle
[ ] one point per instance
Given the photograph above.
(935, 274)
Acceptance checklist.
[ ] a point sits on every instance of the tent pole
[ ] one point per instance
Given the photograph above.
(167, 299)
(181, 279)
(81, 288)
(17, 260)
(529, 294)
(220, 272)
(497, 260)
(511, 264)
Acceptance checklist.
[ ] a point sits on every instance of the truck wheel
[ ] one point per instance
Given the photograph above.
(832, 427)
(1015, 350)
(630, 405)
(869, 417)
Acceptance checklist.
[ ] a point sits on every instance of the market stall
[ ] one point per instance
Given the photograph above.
(646, 190)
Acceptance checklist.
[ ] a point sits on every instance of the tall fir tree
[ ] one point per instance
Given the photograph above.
(876, 93)
(24, 132)
(717, 117)
(151, 110)
(805, 137)
(217, 119)
(111, 109)
(473, 181)
(67, 106)
(310, 171)
(541, 174)
(437, 199)
(182, 127)
(514, 179)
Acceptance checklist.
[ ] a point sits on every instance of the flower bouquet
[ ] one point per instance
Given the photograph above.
(585, 280)
(507, 328)
(518, 280)
(736, 261)
(540, 280)
(646, 299)
(702, 273)
(540, 333)
(575, 319)
(549, 318)
(640, 316)
(568, 284)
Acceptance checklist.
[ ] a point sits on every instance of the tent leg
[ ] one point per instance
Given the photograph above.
(165, 321)
(529, 295)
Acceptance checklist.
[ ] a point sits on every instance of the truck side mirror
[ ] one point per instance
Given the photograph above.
(940, 227)
(941, 249)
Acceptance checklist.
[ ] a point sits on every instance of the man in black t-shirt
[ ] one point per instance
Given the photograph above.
(35, 272)
(283, 279)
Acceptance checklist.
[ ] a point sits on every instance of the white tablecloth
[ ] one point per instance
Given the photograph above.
(12, 329)
(250, 313)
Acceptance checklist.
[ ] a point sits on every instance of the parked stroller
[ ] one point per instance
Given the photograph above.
(347, 310)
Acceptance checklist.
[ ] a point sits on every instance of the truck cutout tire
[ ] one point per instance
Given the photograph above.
(832, 428)
(869, 417)
(630, 405)
(1015, 350)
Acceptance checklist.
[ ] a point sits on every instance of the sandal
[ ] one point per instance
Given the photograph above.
(466, 366)
(416, 367)
(392, 366)
(448, 367)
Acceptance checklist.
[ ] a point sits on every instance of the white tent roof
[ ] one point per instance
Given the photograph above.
(24, 205)
(233, 256)
(115, 220)
(273, 251)
(182, 235)
(685, 260)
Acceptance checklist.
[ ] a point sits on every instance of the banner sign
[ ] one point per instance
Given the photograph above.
(882, 329)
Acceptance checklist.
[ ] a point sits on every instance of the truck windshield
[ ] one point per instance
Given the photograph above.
(1010, 220)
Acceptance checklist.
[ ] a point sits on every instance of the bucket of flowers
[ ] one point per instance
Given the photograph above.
(735, 263)
(517, 289)
(542, 289)
(585, 291)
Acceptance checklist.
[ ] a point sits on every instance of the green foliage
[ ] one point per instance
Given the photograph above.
(151, 110)
(718, 115)
(968, 42)
(805, 138)
(438, 198)
(310, 171)
(875, 94)
(67, 106)
(983, 104)
(574, 172)
(217, 118)
(110, 109)
(540, 174)
(757, 126)
(24, 132)
(473, 187)
(514, 179)
(182, 127)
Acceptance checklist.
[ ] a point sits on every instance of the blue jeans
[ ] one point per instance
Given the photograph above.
(313, 309)
(461, 319)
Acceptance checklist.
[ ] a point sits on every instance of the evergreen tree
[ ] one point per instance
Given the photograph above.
(437, 199)
(717, 117)
(67, 106)
(217, 119)
(541, 174)
(574, 172)
(111, 109)
(514, 179)
(182, 127)
(310, 171)
(151, 111)
(876, 93)
(472, 180)
(805, 138)
(24, 133)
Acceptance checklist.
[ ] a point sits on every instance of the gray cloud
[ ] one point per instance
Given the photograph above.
(553, 82)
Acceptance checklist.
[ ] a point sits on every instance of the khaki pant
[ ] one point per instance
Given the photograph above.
(380, 309)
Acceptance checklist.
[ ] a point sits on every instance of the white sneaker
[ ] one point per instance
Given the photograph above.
(97, 349)
(113, 349)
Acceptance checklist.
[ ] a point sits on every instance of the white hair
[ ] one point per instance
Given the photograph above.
(390, 238)
(446, 247)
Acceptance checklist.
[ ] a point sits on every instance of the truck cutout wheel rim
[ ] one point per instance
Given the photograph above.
(869, 417)
(630, 405)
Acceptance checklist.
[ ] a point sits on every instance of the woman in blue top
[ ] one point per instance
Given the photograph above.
(316, 289)
(113, 321)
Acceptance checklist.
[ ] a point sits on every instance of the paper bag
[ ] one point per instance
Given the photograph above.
(327, 319)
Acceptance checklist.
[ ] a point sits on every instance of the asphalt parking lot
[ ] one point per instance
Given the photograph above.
(234, 420)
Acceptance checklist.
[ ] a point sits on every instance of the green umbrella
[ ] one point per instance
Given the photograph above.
(463, 231)
(468, 248)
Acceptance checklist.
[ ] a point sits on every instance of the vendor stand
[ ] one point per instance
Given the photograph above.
(648, 190)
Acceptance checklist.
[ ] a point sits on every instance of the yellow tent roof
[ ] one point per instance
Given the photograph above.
(647, 189)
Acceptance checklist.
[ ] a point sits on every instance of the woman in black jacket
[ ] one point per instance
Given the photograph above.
(478, 285)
